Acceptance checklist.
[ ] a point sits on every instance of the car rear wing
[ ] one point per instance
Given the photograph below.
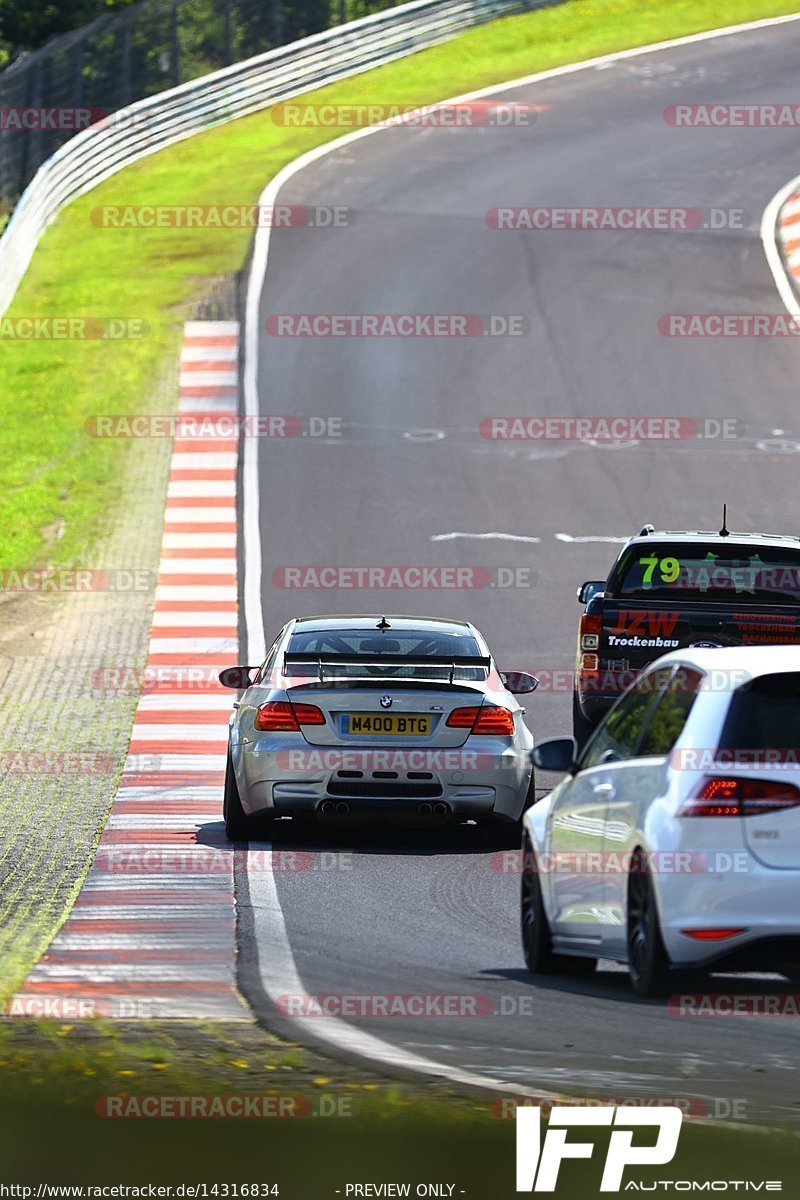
(448, 662)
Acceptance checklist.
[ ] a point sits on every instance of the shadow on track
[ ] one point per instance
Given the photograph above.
(608, 983)
(289, 834)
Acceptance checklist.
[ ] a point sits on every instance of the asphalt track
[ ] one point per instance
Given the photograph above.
(439, 917)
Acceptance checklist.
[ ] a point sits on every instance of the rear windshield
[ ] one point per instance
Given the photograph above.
(765, 715)
(706, 571)
(408, 642)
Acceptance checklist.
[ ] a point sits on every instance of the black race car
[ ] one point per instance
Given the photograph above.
(670, 589)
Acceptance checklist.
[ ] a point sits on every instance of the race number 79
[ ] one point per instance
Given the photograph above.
(669, 569)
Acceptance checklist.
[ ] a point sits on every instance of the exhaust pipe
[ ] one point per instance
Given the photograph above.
(425, 810)
(440, 809)
(327, 807)
(342, 809)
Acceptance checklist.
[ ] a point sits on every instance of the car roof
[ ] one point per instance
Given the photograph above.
(687, 536)
(749, 661)
(370, 620)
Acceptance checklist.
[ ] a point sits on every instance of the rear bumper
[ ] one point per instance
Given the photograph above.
(770, 953)
(762, 902)
(497, 786)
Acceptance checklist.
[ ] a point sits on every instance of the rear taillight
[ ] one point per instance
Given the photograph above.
(309, 714)
(489, 719)
(276, 717)
(493, 719)
(463, 718)
(717, 796)
(590, 630)
(711, 935)
(279, 716)
(589, 644)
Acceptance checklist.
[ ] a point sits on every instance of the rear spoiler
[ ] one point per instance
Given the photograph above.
(400, 660)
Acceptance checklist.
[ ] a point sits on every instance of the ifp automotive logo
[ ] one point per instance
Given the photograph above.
(539, 1159)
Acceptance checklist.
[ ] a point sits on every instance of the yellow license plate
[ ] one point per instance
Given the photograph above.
(399, 724)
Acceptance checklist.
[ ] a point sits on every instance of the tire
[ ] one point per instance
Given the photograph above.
(582, 727)
(501, 833)
(648, 963)
(537, 940)
(238, 825)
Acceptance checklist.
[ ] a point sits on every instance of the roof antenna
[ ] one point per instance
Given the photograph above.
(724, 532)
(383, 624)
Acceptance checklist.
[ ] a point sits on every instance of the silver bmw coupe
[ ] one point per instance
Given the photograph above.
(375, 718)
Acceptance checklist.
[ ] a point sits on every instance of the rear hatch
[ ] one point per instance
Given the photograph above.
(760, 749)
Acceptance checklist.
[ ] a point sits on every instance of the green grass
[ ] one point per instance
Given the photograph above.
(53, 476)
(56, 1080)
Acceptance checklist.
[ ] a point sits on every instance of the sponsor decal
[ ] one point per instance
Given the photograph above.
(649, 643)
(638, 623)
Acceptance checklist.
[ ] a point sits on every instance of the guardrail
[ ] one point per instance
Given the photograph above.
(149, 125)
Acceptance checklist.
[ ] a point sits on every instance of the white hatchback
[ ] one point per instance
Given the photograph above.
(674, 839)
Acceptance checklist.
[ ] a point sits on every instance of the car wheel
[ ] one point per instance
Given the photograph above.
(537, 940)
(582, 728)
(648, 964)
(501, 833)
(238, 826)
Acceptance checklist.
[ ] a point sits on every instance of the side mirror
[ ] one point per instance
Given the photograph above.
(237, 678)
(519, 682)
(555, 754)
(591, 588)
